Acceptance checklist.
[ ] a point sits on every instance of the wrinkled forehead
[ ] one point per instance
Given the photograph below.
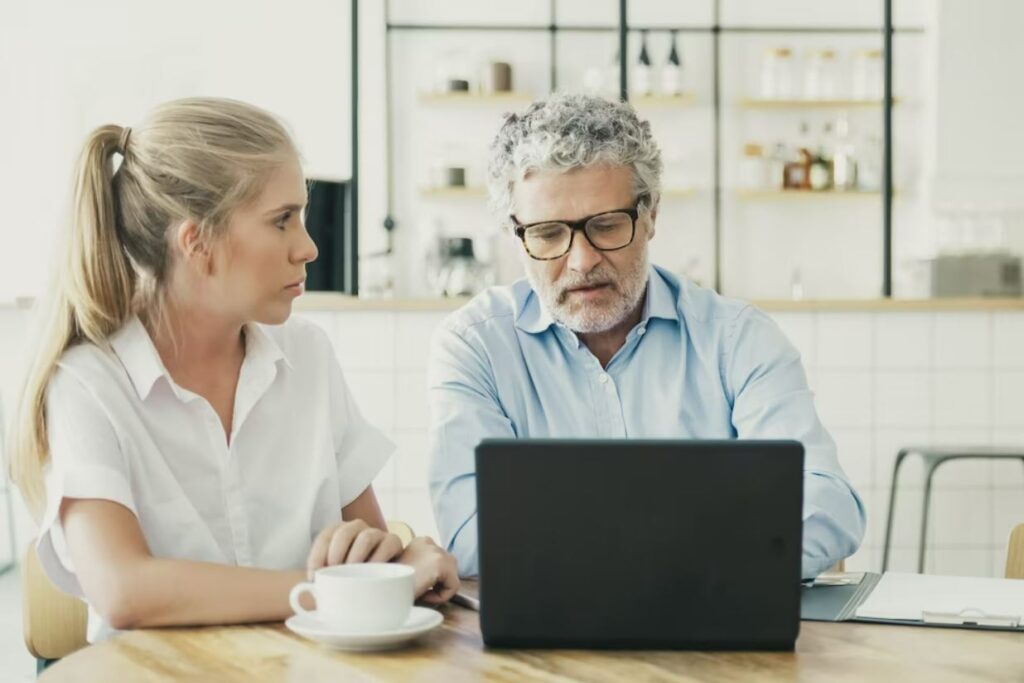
(570, 195)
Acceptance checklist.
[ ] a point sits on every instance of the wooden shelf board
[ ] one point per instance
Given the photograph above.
(682, 100)
(756, 195)
(474, 97)
(453, 192)
(759, 103)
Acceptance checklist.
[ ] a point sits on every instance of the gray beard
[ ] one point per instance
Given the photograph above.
(583, 320)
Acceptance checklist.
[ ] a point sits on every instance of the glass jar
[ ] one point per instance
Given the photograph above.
(821, 76)
(753, 170)
(777, 74)
(868, 75)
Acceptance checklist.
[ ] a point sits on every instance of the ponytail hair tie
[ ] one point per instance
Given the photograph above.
(122, 144)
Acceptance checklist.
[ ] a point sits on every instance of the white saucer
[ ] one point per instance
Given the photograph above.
(420, 621)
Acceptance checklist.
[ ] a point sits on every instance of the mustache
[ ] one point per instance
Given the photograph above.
(577, 281)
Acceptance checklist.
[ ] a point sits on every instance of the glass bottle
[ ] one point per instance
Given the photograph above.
(776, 164)
(672, 77)
(844, 161)
(820, 175)
(642, 70)
(798, 169)
(869, 172)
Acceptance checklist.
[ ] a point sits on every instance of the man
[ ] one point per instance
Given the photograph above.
(597, 343)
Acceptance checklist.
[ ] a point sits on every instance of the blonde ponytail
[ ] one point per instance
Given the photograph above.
(89, 299)
(198, 159)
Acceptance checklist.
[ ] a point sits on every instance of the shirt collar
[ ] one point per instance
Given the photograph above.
(662, 299)
(139, 356)
(142, 362)
(533, 317)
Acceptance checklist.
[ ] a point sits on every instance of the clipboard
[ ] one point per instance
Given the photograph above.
(916, 600)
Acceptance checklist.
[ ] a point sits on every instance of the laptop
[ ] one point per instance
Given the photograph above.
(643, 544)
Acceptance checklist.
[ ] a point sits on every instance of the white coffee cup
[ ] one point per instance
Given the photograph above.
(359, 598)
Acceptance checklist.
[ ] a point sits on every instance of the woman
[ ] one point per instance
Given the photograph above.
(193, 452)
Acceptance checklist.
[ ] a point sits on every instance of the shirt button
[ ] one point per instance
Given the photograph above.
(603, 379)
(641, 330)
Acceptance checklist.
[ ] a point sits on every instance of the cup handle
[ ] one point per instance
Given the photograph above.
(297, 591)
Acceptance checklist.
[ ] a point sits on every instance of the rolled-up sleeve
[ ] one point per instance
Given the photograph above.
(771, 399)
(86, 461)
(464, 409)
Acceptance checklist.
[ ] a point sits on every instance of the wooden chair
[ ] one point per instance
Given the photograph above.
(1015, 553)
(54, 623)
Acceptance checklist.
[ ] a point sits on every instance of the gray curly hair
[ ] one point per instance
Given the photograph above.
(567, 131)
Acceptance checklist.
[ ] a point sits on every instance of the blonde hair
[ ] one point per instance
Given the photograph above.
(193, 159)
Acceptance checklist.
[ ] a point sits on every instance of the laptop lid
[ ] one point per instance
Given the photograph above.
(640, 544)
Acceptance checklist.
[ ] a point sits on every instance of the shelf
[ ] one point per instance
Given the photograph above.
(474, 98)
(678, 192)
(474, 192)
(683, 100)
(802, 195)
(470, 192)
(757, 103)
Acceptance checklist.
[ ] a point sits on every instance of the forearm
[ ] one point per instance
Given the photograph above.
(465, 549)
(163, 592)
(833, 523)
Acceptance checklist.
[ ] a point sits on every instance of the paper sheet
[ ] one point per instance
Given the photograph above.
(913, 596)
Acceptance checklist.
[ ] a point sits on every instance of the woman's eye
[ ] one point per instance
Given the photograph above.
(283, 220)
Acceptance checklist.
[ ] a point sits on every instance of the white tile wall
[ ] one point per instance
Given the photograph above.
(882, 381)
(963, 398)
(904, 342)
(963, 340)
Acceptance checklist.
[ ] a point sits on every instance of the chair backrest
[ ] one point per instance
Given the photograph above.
(54, 622)
(1015, 553)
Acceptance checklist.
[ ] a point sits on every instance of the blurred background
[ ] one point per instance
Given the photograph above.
(879, 220)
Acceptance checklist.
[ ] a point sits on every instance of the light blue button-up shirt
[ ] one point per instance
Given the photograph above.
(697, 366)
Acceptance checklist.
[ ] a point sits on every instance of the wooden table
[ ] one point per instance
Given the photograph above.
(268, 652)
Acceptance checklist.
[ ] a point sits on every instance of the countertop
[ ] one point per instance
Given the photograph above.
(329, 301)
(336, 302)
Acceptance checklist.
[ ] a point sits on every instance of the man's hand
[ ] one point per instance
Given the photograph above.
(437, 577)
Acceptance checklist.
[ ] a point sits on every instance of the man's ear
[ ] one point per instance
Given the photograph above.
(652, 216)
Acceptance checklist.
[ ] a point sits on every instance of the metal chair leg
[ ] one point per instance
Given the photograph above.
(892, 507)
(12, 543)
(931, 465)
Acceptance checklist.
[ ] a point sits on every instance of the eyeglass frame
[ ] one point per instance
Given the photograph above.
(581, 224)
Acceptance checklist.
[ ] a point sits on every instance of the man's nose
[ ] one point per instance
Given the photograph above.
(582, 255)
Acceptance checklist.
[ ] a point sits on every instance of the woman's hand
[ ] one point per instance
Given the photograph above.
(437, 577)
(351, 543)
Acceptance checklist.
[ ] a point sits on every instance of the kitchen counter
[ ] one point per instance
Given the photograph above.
(332, 301)
(328, 301)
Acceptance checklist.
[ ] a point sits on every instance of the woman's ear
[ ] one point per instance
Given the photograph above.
(189, 243)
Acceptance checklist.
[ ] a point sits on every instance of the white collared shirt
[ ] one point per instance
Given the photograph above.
(120, 429)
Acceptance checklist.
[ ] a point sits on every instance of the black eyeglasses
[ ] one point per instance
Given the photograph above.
(607, 231)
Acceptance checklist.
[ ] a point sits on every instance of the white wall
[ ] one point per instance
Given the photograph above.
(979, 139)
(67, 67)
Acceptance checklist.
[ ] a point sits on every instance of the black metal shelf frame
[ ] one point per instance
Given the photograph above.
(716, 30)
